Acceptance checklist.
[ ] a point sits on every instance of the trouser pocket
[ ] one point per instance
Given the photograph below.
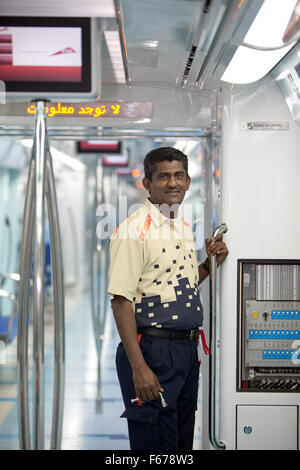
(143, 427)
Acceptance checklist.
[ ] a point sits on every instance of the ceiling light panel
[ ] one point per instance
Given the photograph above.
(270, 23)
(112, 39)
(68, 8)
(249, 64)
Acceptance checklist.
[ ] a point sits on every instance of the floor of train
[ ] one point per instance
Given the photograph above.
(86, 425)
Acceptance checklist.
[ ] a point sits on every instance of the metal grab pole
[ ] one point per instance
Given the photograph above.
(39, 276)
(106, 276)
(33, 229)
(213, 290)
(97, 261)
(59, 308)
(40, 178)
(22, 347)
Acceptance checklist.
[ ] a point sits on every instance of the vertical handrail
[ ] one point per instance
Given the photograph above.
(213, 317)
(59, 309)
(22, 340)
(97, 262)
(39, 276)
(95, 291)
(40, 186)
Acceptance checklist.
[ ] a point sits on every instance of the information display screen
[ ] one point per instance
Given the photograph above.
(110, 151)
(45, 54)
(96, 146)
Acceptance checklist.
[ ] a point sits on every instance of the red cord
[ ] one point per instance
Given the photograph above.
(204, 344)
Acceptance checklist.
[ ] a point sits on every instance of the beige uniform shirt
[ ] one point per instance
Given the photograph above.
(153, 264)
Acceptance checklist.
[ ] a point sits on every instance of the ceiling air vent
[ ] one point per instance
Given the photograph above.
(203, 19)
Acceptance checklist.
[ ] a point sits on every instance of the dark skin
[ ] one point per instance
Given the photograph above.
(168, 186)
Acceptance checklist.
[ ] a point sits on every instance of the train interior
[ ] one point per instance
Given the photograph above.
(189, 74)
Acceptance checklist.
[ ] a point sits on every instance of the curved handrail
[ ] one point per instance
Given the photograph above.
(97, 264)
(39, 277)
(40, 186)
(213, 290)
(22, 344)
(59, 308)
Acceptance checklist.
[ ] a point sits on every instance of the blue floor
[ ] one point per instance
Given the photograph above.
(87, 424)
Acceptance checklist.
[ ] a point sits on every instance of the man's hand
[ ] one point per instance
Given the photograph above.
(146, 384)
(216, 246)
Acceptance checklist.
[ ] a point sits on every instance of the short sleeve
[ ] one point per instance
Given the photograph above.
(126, 266)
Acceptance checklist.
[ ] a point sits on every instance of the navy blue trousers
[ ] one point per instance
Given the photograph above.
(152, 427)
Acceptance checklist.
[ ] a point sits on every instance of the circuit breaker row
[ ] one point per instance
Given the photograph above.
(272, 333)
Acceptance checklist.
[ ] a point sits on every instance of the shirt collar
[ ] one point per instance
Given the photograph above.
(156, 216)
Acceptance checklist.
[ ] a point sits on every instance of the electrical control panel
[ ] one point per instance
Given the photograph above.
(269, 326)
(271, 331)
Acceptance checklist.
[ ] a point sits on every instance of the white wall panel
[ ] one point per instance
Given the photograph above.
(267, 428)
(260, 193)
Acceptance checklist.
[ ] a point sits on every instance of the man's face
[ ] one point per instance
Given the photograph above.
(169, 183)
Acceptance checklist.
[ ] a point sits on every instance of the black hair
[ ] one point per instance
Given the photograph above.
(161, 154)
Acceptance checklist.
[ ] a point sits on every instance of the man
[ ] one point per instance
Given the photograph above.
(155, 300)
